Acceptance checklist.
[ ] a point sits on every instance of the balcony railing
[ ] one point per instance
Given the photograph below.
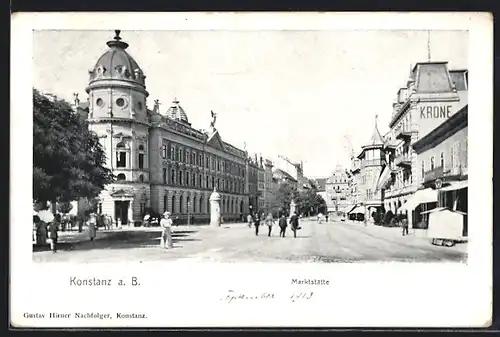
(403, 134)
(403, 161)
(372, 162)
(432, 175)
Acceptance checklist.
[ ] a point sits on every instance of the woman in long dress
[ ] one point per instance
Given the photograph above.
(92, 226)
(166, 225)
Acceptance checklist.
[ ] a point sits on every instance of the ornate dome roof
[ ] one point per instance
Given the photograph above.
(177, 112)
(116, 63)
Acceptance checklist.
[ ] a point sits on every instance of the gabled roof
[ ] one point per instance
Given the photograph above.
(283, 175)
(214, 140)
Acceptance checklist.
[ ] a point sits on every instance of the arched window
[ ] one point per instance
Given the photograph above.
(180, 181)
(199, 182)
(181, 206)
(141, 178)
(194, 204)
(188, 204)
(187, 178)
(173, 204)
(121, 155)
(193, 179)
(200, 209)
(120, 177)
(172, 177)
(141, 156)
(165, 199)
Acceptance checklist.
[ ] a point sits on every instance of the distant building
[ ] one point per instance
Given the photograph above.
(337, 190)
(295, 170)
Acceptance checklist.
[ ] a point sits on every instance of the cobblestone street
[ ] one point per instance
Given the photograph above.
(334, 241)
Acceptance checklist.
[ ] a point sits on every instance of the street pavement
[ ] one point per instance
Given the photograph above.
(334, 241)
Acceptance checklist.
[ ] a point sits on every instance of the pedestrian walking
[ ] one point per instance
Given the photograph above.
(282, 223)
(53, 229)
(404, 224)
(166, 224)
(326, 217)
(92, 226)
(256, 223)
(249, 220)
(269, 223)
(294, 223)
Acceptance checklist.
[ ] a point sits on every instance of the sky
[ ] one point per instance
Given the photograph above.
(308, 95)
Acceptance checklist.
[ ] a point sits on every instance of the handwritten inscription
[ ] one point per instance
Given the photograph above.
(233, 296)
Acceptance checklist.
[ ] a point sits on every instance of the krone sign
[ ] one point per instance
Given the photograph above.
(435, 111)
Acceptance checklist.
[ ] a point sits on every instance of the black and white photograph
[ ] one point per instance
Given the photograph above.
(204, 164)
(299, 147)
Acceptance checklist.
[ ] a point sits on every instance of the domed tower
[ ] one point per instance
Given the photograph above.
(177, 113)
(118, 114)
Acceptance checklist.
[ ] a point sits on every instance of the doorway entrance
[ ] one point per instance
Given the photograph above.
(121, 211)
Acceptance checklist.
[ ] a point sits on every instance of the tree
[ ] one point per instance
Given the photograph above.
(310, 200)
(64, 207)
(284, 195)
(68, 160)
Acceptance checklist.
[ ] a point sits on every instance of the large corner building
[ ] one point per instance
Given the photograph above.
(160, 161)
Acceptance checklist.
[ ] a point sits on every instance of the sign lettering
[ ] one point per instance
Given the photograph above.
(428, 112)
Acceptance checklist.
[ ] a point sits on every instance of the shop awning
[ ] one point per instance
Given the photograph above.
(455, 185)
(357, 209)
(420, 197)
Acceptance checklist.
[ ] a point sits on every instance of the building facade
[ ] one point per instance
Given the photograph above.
(366, 170)
(337, 190)
(432, 94)
(295, 170)
(160, 161)
(443, 158)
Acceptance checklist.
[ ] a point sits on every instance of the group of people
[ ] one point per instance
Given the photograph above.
(51, 229)
(255, 220)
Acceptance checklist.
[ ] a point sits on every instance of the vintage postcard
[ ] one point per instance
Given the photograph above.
(251, 170)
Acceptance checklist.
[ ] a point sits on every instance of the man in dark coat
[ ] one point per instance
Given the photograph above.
(294, 222)
(256, 223)
(282, 223)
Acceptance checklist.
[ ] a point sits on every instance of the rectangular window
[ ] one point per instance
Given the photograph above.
(206, 181)
(121, 160)
(164, 151)
(164, 175)
(441, 160)
(172, 177)
(141, 160)
(172, 153)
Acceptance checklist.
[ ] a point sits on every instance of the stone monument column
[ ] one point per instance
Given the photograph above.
(215, 208)
(293, 207)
